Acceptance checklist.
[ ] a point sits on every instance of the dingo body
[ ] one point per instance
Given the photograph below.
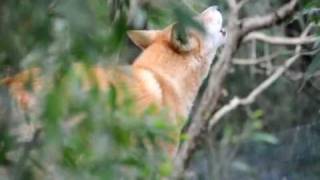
(168, 73)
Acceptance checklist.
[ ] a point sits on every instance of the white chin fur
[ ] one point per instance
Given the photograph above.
(212, 20)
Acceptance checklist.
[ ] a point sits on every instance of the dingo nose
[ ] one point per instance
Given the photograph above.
(223, 32)
(210, 13)
(215, 8)
(211, 18)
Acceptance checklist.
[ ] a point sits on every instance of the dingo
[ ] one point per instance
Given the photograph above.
(168, 73)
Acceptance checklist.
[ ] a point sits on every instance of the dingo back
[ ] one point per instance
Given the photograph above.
(172, 70)
(169, 71)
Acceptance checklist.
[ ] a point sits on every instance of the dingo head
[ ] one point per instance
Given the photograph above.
(204, 42)
(181, 62)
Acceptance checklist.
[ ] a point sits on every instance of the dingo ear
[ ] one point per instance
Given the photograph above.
(143, 38)
(182, 39)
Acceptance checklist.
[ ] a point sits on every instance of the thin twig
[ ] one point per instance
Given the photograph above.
(280, 40)
(211, 95)
(236, 101)
(259, 22)
(263, 59)
(268, 58)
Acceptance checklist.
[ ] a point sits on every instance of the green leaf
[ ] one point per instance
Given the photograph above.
(313, 67)
(257, 124)
(55, 105)
(166, 168)
(258, 114)
(184, 137)
(241, 166)
(112, 94)
(265, 137)
(185, 20)
(77, 13)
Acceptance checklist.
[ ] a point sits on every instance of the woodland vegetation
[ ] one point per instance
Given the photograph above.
(257, 116)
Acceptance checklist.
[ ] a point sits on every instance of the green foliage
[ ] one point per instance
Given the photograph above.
(313, 67)
(85, 133)
(311, 4)
(234, 136)
(89, 134)
(252, 130)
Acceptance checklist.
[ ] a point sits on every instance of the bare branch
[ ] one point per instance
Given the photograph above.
(242, 3)
(236, 6)
(279, 40)
(209, 100)
(235, 102)
(258, 22)
(268, 58)
(232, 4)
(252, 61)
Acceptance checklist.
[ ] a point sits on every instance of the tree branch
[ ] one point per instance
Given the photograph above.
(279, 40)
(268, 58)
(210, 97)
(235, 102)
(254, 61)
(259, 22)
(209, 100)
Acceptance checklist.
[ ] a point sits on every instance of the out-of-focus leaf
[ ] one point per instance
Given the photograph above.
(258, 114)
(158, 18)
(87, 134)
(112, 94)
(166, 168)
(184, 137)
(313, 67)
(185, 17)
(241, 166)
(312, 3)
(6, 144)
(117, 35)
(265, 137)
(257, 124)
(160, 124)
(54, 106)
(77, 13)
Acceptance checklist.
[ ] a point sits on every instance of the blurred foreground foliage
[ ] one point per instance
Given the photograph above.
(85, 133)
(88, 134)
